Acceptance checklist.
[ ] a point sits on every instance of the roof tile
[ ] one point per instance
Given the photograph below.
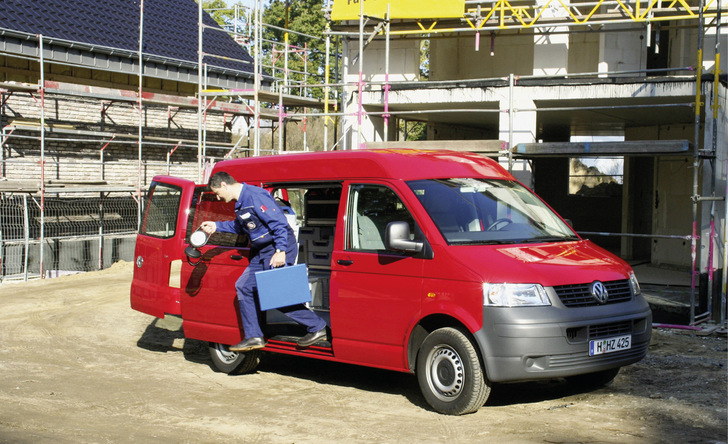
(170, 27)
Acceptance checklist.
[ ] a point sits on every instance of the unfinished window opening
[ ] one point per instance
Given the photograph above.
(596, 176)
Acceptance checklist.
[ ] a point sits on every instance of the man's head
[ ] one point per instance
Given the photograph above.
(225, 186)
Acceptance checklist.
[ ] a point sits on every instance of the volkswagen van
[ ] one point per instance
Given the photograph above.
(436, 263)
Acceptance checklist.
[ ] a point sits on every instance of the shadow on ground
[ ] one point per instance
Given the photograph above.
(166, 336)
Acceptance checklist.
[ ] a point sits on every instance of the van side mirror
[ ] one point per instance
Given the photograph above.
(397, 237)
(197, 239)
(192, 253)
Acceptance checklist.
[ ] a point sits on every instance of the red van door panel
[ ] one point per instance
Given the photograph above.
(160, 242)
(375, 294)
(209, 304)
(374, 301)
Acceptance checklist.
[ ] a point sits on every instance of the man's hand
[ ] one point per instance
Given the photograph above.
(208, 227)
(278, 259)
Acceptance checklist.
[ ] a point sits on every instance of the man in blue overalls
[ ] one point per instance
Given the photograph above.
(272, 245)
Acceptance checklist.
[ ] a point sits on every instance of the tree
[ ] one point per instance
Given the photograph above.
(218, 10)
(306, 54)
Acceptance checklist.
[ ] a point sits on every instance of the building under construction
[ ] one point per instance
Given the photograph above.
(614, 112)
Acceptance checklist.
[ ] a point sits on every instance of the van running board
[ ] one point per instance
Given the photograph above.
(290, 343)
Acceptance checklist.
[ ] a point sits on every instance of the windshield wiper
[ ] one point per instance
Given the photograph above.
(549, 239)
(485, 242)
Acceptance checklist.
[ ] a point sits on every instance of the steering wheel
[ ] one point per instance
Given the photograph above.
(503, 220)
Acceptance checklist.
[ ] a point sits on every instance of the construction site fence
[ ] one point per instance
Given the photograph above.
(76, 233)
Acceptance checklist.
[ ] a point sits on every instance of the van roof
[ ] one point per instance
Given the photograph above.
(403, 164)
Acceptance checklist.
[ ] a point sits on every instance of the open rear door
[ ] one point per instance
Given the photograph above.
(159, 252)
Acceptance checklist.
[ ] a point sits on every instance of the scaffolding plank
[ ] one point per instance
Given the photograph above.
(93, 189)
(16, 86)
(626, 148)
(269, 97)
(474, 146)
(151, 98)
(20, 186)
(58, 128)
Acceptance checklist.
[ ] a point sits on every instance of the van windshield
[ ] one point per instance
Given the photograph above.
(485, 211)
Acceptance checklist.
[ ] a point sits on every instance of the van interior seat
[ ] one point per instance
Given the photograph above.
(370, 233)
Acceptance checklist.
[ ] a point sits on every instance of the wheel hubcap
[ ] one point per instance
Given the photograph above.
(225, 354)
(445, 373)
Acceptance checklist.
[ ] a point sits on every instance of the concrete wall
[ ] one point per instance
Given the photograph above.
(404, 61)
(622, 51)
(457, 58)
(583, 52)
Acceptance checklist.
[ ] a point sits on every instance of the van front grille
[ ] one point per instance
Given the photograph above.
(579, 295)
(609, 330)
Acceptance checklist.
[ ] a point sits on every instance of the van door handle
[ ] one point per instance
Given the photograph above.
(236, 257)
(345, 262)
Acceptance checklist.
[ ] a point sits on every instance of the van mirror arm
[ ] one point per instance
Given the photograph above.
(397, 237)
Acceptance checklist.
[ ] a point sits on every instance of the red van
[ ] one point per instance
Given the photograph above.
(430, 262)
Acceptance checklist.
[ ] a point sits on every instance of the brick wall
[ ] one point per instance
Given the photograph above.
(85, 125)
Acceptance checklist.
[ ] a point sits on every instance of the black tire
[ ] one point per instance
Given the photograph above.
(233, 363)
(594, 380)
(449, 372)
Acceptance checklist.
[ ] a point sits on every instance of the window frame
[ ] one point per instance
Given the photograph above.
(149, 206)
(352, 193)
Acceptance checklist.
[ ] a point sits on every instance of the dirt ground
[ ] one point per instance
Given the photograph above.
(78, 365)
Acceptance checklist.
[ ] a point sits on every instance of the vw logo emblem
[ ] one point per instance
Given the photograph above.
(599, 292)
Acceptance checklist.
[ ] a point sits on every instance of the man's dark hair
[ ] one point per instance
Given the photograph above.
(218, 178)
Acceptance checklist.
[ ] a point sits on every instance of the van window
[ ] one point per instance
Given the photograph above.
(206, 206)
(372, 207)
(160, 219)
(483, 211)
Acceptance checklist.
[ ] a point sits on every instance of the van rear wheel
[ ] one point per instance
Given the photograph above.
(233, 363)
(449, 373)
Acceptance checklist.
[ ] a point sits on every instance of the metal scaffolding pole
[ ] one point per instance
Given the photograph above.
(327, 88)
(716, 107)
(696, 166)
(386, 77)
(42, 156)
(257, 76)
(360, 104)
(140, 181)
(199, 92)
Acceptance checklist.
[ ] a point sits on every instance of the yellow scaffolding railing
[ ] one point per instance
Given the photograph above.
(506, 14)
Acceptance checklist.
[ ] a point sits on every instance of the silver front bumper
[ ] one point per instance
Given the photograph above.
(527, 343)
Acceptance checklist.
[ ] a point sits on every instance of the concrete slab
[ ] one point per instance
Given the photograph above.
(667, 291)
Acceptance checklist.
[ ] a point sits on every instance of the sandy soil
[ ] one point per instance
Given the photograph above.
(78, 365)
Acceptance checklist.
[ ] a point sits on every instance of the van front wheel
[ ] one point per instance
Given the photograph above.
(449, 373)
(233, 363)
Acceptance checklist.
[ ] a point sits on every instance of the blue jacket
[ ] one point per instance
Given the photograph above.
(259, 216)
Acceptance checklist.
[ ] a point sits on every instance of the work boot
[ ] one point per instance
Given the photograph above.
(248, 344)
(312, 338)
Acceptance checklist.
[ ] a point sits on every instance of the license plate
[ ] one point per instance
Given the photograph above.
(610, 345)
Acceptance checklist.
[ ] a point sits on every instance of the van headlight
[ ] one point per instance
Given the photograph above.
(514, 295)
(634, 285)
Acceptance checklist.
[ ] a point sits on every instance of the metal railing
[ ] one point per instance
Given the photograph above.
(83, 232)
